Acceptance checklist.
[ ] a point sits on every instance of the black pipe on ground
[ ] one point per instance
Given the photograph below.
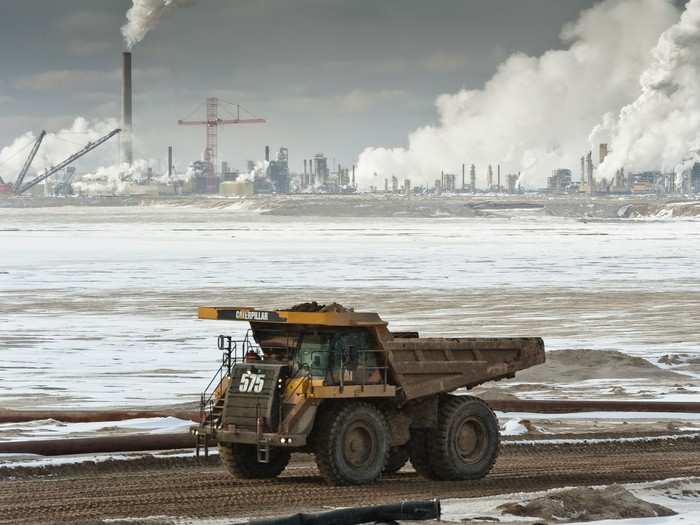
(408, 510)
(131, 443)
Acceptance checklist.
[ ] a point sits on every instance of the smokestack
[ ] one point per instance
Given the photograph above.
(463, 176)
(589, 169)
(127, 109)
(267, 153)
(170, 161)
(498, 188)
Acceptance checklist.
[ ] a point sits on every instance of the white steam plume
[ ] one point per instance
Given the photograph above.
(536, 113)
(100, 173)
(57, 147)
(144, 16)
(661, 127)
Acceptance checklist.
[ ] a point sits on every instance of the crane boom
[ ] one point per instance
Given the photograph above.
(221, 121)
(89, 147)
(30, 159)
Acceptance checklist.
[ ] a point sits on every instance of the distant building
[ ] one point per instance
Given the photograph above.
(448, 182)
(203, 181)
(278, 172)
(319, 168)
(560, 181)
(648, 182)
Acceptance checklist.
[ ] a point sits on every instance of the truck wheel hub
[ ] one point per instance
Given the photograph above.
(470, 440)
(358, 445)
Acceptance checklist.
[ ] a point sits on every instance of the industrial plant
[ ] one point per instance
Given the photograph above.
(210, 175)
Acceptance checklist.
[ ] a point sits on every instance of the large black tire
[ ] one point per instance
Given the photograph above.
(465, 443)
(241, 461)
(419, 452)
(398, 457)
(352, 444)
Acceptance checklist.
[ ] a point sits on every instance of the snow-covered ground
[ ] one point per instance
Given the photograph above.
(50, 429)
(98, 305)
(681, 496)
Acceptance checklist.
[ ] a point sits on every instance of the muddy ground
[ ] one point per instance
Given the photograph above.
(188, 488)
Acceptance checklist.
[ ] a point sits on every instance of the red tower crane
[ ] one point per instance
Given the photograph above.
(212, 127)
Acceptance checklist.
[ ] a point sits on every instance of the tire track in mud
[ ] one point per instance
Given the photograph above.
(203, 489)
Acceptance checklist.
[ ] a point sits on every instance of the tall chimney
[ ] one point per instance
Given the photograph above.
(127, 108)
(170, 161)
(463, 176)
(589, 169)
(267, 153)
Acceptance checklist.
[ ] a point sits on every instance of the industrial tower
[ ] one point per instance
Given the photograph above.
(212, 124)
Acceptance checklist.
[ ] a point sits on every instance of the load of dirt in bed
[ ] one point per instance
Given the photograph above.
(313, 306)
(587, 504)
(564, 366)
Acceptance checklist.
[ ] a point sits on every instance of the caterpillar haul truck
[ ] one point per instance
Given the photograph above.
(364, 400)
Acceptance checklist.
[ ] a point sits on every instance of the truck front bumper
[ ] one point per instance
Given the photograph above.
(248, 437)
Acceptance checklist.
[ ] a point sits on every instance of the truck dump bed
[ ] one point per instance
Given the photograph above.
(424, 367)
(420, 366)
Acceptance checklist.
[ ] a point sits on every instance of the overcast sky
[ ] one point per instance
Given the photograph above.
(331, 76)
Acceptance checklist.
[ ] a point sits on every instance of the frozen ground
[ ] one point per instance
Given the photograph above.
(98, 305)
(681, 496)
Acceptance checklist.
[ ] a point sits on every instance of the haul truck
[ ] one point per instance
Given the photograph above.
(363, 399)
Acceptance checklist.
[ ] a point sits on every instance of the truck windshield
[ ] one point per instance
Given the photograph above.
(313, 353)
(323, 353)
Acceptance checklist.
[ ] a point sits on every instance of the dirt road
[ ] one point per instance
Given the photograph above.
(188, 488)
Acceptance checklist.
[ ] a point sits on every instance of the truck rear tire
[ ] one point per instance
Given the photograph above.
(465, 442)
(241, 461)
(398, 457)
(352, 444)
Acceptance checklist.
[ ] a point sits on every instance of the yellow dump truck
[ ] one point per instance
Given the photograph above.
(363, 399)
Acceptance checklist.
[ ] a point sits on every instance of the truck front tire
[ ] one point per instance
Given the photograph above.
(465, 443)
(241, 461)
(352, 444)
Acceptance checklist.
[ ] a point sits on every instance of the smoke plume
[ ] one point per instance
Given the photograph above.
(144, 16)
(58, 146)
(661, 128)
(535, 114)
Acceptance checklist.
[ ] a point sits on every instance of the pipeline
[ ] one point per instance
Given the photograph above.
(143, 442)
(504, 405)
(408, 510)
(90, 416)
(131, 443)
(565, 406)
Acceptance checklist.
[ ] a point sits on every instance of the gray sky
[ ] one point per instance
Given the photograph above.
(331, 76)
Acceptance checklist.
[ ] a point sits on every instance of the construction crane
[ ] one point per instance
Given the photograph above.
(88, 148)
(28, 162)
(212, 124)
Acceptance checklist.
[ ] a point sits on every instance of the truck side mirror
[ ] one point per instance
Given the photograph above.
(224, 343)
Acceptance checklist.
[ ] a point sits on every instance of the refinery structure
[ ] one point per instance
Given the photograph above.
(212, 175)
